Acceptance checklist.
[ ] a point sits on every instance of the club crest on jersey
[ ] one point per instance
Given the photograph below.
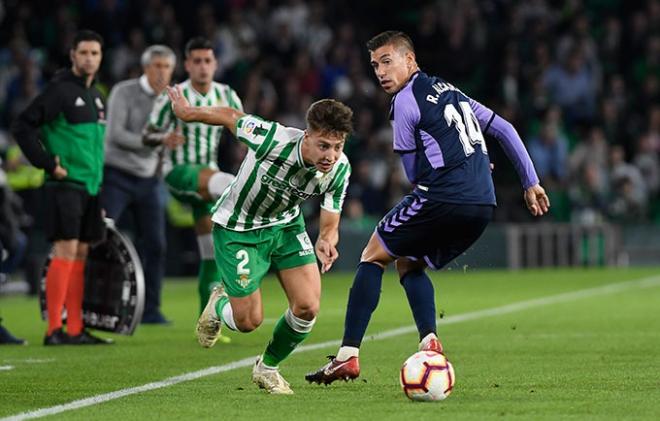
(297, 180)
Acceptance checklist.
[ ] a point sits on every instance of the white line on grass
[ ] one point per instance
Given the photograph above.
(245, 362)
(31, 360)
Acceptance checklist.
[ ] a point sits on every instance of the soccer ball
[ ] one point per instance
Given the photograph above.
(427, 376)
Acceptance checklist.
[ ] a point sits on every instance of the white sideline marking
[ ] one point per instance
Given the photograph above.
(246, 362)
(31, 360)
(6, 367)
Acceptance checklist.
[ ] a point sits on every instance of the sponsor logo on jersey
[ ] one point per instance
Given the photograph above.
(79, 102)
(282, 185)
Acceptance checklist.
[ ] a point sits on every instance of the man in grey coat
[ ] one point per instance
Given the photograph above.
(132, 178)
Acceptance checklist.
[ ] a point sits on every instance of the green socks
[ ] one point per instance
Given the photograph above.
(288, 333)
(208, 277)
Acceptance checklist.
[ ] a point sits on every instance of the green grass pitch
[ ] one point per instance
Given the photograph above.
(594, 355)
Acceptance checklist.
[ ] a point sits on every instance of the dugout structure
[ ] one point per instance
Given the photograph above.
(114, 285)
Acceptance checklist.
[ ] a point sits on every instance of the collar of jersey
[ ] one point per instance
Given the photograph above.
(197, 93)
(412, 78)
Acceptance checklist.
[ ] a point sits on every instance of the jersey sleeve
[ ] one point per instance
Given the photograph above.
(257, 133)
(333, 199)
(406, 116)
(494, 125)
(162, 116)
(235, 100)
(26, 128)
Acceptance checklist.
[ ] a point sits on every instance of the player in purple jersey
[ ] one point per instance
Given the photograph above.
(439, 134)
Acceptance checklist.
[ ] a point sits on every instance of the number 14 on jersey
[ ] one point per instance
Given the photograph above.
(467, 126)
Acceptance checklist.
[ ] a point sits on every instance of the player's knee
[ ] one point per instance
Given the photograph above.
(370, 258)
(82, 252)
(402, 268)
(306, 310)
(248, 324)
(300, 323)
(375, 253)
(406, 266)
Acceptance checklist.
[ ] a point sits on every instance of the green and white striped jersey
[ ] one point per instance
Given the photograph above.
(202, 139)
(273, 179)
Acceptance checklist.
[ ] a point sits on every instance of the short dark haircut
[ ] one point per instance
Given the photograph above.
(330, 117)
(86, 35)
(197, 43)
(396, 38)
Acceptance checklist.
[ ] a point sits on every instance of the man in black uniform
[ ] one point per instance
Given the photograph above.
(62, 131)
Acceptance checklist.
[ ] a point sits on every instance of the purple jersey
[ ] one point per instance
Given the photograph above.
(438, 131)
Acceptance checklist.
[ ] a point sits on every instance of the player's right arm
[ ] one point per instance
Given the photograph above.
(217, 116)
(25, 129)
(159, 129)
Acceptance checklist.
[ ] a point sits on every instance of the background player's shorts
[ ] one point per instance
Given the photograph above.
(434, 231)
(183, 183)
(72, 213)
(244, 257)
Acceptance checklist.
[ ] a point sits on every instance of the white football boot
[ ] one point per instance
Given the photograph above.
(208, 324)
(270, 379)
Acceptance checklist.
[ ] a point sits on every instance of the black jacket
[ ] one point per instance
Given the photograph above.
(68, 120)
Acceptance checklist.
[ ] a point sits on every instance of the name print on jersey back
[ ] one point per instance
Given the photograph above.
(435, 121)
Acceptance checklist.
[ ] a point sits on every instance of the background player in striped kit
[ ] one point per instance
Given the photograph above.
(191, 172)
(258, 222)
(438, 131)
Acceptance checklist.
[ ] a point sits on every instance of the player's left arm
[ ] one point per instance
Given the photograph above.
(217, 116)
(535, 197)
(326, 244)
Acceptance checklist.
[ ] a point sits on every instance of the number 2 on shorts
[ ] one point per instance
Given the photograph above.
(244, 258)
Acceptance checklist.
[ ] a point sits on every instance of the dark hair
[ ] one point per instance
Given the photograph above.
(396, 38)
(86, 35)
(197, 43)
(330, 116)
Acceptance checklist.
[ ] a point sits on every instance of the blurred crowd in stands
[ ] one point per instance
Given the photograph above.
(579, 79)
